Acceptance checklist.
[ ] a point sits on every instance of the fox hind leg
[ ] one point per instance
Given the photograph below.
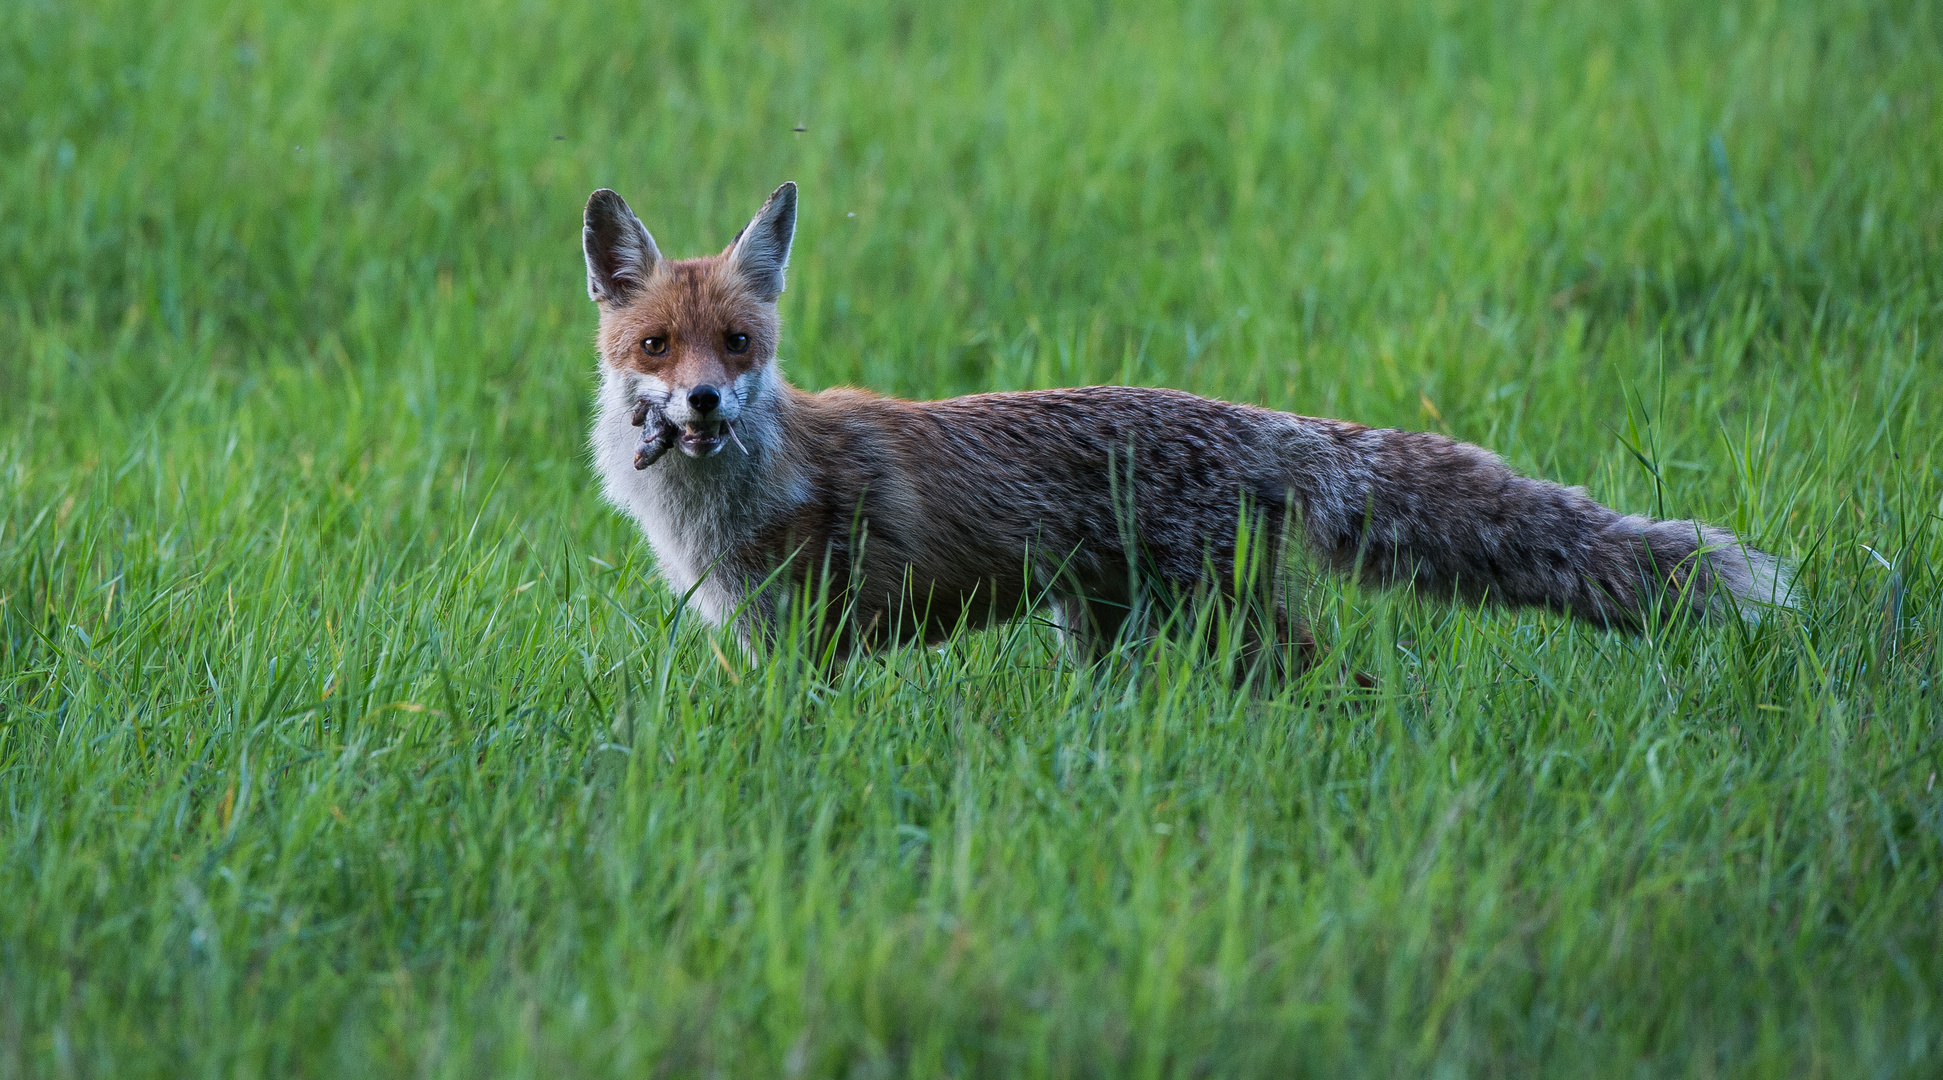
(1089, 625)
(1270, 642)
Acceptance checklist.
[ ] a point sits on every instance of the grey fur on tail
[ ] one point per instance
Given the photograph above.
(1393, 506)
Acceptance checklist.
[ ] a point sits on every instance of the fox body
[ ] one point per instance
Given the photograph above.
(902, 520)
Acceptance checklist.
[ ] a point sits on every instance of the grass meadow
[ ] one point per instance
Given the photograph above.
(345, 732)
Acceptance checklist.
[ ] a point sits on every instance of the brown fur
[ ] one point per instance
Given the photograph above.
(903, 521)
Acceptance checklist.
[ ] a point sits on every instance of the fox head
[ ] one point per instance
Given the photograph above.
(697, 337)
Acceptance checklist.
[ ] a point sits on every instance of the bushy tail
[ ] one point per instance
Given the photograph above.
(1394, 506)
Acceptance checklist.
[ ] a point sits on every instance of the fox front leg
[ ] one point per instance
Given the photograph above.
(657, 434)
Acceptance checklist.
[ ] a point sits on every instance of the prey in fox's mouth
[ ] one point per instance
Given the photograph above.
(659, 434)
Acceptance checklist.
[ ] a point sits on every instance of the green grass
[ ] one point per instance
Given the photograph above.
(343, 730)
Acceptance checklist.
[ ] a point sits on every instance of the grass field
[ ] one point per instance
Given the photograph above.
(344, 731)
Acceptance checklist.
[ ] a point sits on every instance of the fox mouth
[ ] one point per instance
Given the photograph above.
(702, 440)
(707, 438)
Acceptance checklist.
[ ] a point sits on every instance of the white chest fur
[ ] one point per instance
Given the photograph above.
(693, 511)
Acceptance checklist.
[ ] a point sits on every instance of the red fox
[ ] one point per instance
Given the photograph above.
(901, 521)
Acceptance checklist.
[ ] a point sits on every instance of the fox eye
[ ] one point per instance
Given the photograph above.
(737, 342)
(654, 346)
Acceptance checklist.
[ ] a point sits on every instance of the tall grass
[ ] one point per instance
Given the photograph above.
(343, 731)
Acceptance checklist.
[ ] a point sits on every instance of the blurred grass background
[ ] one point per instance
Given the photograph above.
(344, 732)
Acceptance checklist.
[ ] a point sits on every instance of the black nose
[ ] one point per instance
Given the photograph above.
(704, 398)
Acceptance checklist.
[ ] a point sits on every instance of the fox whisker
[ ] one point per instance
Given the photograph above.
(737, 439)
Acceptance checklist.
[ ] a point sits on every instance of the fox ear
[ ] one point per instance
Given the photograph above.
(761, 252)
(620, 253)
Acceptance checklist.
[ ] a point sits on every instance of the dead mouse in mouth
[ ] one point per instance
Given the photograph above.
(656, 436)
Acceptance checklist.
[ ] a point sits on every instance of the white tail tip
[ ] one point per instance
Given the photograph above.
(1761, 584)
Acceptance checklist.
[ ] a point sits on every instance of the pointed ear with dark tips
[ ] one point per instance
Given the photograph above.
(620, 253)
(761, 253)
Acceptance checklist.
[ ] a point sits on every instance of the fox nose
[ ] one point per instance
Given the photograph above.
(704, 398)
